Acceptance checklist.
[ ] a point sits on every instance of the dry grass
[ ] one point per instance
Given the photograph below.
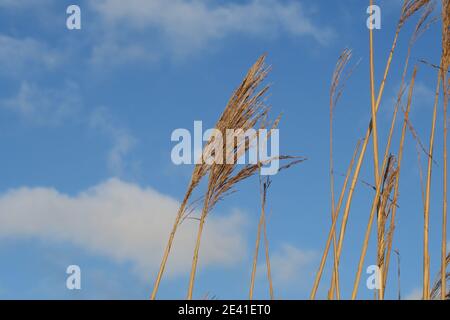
(269, 269)
(422, 25)
(336, 90)
(442, 75)
(264, 184)
(243, 101)
(376, 166)
(384, 211)
(264, 187)
(446, 88)
(246, 109)
(337, 87)
(408, 9)
(383, 190)
(333, 225)
(437, 291)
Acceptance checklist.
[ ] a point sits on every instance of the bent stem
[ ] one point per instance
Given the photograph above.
(169, 247)
(197, 246)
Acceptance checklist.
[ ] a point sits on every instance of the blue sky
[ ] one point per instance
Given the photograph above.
(85, 123)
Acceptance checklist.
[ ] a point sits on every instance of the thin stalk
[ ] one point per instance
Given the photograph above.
(361, 157)
(396, 188)
(394, 117)
(406, 13)
(421, 27)
(336, 89)
(396, 192)
(445, 62)
(426, 254)
(333, 225)
(399, 292)
(376, 202)
(269, 272)
(444, 207)
(197, 245)
(333, 213)
(255, 257)
(168, 248)
(263, 186)
(373, 104)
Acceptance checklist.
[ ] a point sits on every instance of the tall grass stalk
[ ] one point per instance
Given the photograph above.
(422, 25)
(442, 74)
(409, 8)
(337, 87)
(333, 225)
(375, 203)
(373, 103)
(264, 186)
(336, 90)
(426, 254)
(446, 89)
(199, 172)
(244, 110)
(269, 269)
(263, 193)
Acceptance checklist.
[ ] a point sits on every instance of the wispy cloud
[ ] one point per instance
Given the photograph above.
(147, 30)
(187, 27)
(24, 54)
(19, 4)
(121, 221)
(114, 52)
(123, 141)
(44, 106)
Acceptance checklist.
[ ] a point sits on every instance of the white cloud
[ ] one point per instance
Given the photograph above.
(189, 26)
(121, 221)
(43, 106)
(146, 30)
(290, 265)
(22, 54)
